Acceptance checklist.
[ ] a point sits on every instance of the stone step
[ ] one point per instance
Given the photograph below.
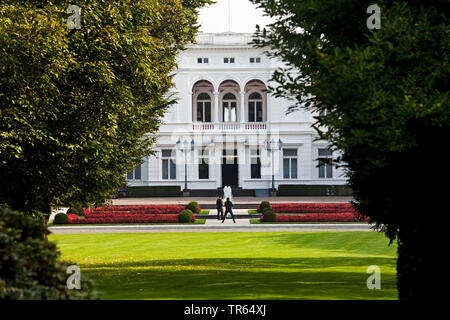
(237, 192)
(235, 206)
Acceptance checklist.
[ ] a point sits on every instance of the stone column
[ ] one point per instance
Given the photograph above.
(189, 109)
(242, 106)
(216, 107)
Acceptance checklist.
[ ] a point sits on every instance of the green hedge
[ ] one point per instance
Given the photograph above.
(30, 267)
(313, 190)
(185, 216)
(154, 191)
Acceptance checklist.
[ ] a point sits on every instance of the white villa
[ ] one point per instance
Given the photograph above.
(226, 130)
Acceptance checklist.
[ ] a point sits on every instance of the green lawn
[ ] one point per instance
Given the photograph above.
(254, 265)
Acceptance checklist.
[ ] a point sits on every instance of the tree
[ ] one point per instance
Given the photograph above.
(382, 99)
(78, 108)
(30, 267)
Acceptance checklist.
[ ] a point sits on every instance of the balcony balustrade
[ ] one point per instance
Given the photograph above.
(229, 126)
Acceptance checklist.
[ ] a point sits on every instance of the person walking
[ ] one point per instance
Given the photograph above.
(228, 208)
(219, 206)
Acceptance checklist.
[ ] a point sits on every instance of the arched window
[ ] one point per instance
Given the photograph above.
(229, 103)
(203, 107)
(255, 107)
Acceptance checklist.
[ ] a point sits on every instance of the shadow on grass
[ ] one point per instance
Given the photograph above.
(242, 278)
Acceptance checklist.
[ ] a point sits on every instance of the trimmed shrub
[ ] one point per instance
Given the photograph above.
(185, 216)
(193, 206)
(265, 209)
(264, 205)
(61, 218)
(269, 215)
(30, 267)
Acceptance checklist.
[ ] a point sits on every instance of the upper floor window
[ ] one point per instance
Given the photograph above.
(255, 110)
(203, 107)
(135, 174)
(228, 60)
(325, 165)
(290, 163)
(255, 60)
(229, 107)
(202, 60)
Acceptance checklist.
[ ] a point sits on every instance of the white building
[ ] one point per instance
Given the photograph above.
(223, 121)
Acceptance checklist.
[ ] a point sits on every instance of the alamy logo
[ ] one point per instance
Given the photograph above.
(74, 280)
(374, 21)
(74, 21)
(374, 281)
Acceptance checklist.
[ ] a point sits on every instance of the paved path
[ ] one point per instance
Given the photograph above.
(241, 225)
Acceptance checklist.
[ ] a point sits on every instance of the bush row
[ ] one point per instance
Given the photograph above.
(132, 218)
(306, 207)
(143, 209)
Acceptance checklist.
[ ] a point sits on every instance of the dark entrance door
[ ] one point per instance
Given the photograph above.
(230, 169)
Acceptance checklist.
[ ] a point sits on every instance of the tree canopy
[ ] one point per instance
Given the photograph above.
(379, 96)
(77, 107)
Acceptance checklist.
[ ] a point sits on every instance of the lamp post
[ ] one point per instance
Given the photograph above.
(184, 146)
(273, 146)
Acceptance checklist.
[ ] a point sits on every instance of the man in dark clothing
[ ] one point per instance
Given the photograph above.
(228, 208)
(219, 205)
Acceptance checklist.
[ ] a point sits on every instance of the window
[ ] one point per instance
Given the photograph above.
(229, 108)
(255, 113)
(135, 174)
(290, 163)
(168, 165)
(202, 60)
(255, 164)
(203, 164)
(228, 60)
(204, 108)
(255, 60)
(325, 166)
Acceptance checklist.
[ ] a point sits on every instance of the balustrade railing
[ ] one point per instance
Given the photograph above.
(230, 126)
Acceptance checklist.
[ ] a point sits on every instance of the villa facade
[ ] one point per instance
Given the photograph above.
(226, 130)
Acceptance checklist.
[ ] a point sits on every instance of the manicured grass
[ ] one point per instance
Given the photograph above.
(253, 211)
(204, 211)
(257, 221)
(254, 265)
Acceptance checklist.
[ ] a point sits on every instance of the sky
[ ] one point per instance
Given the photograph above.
(244, 16)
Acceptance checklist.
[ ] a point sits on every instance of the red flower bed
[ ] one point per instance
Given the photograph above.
(311, 207)
(144, 209)
(129, 218)
(317, 217)
(72, 217)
